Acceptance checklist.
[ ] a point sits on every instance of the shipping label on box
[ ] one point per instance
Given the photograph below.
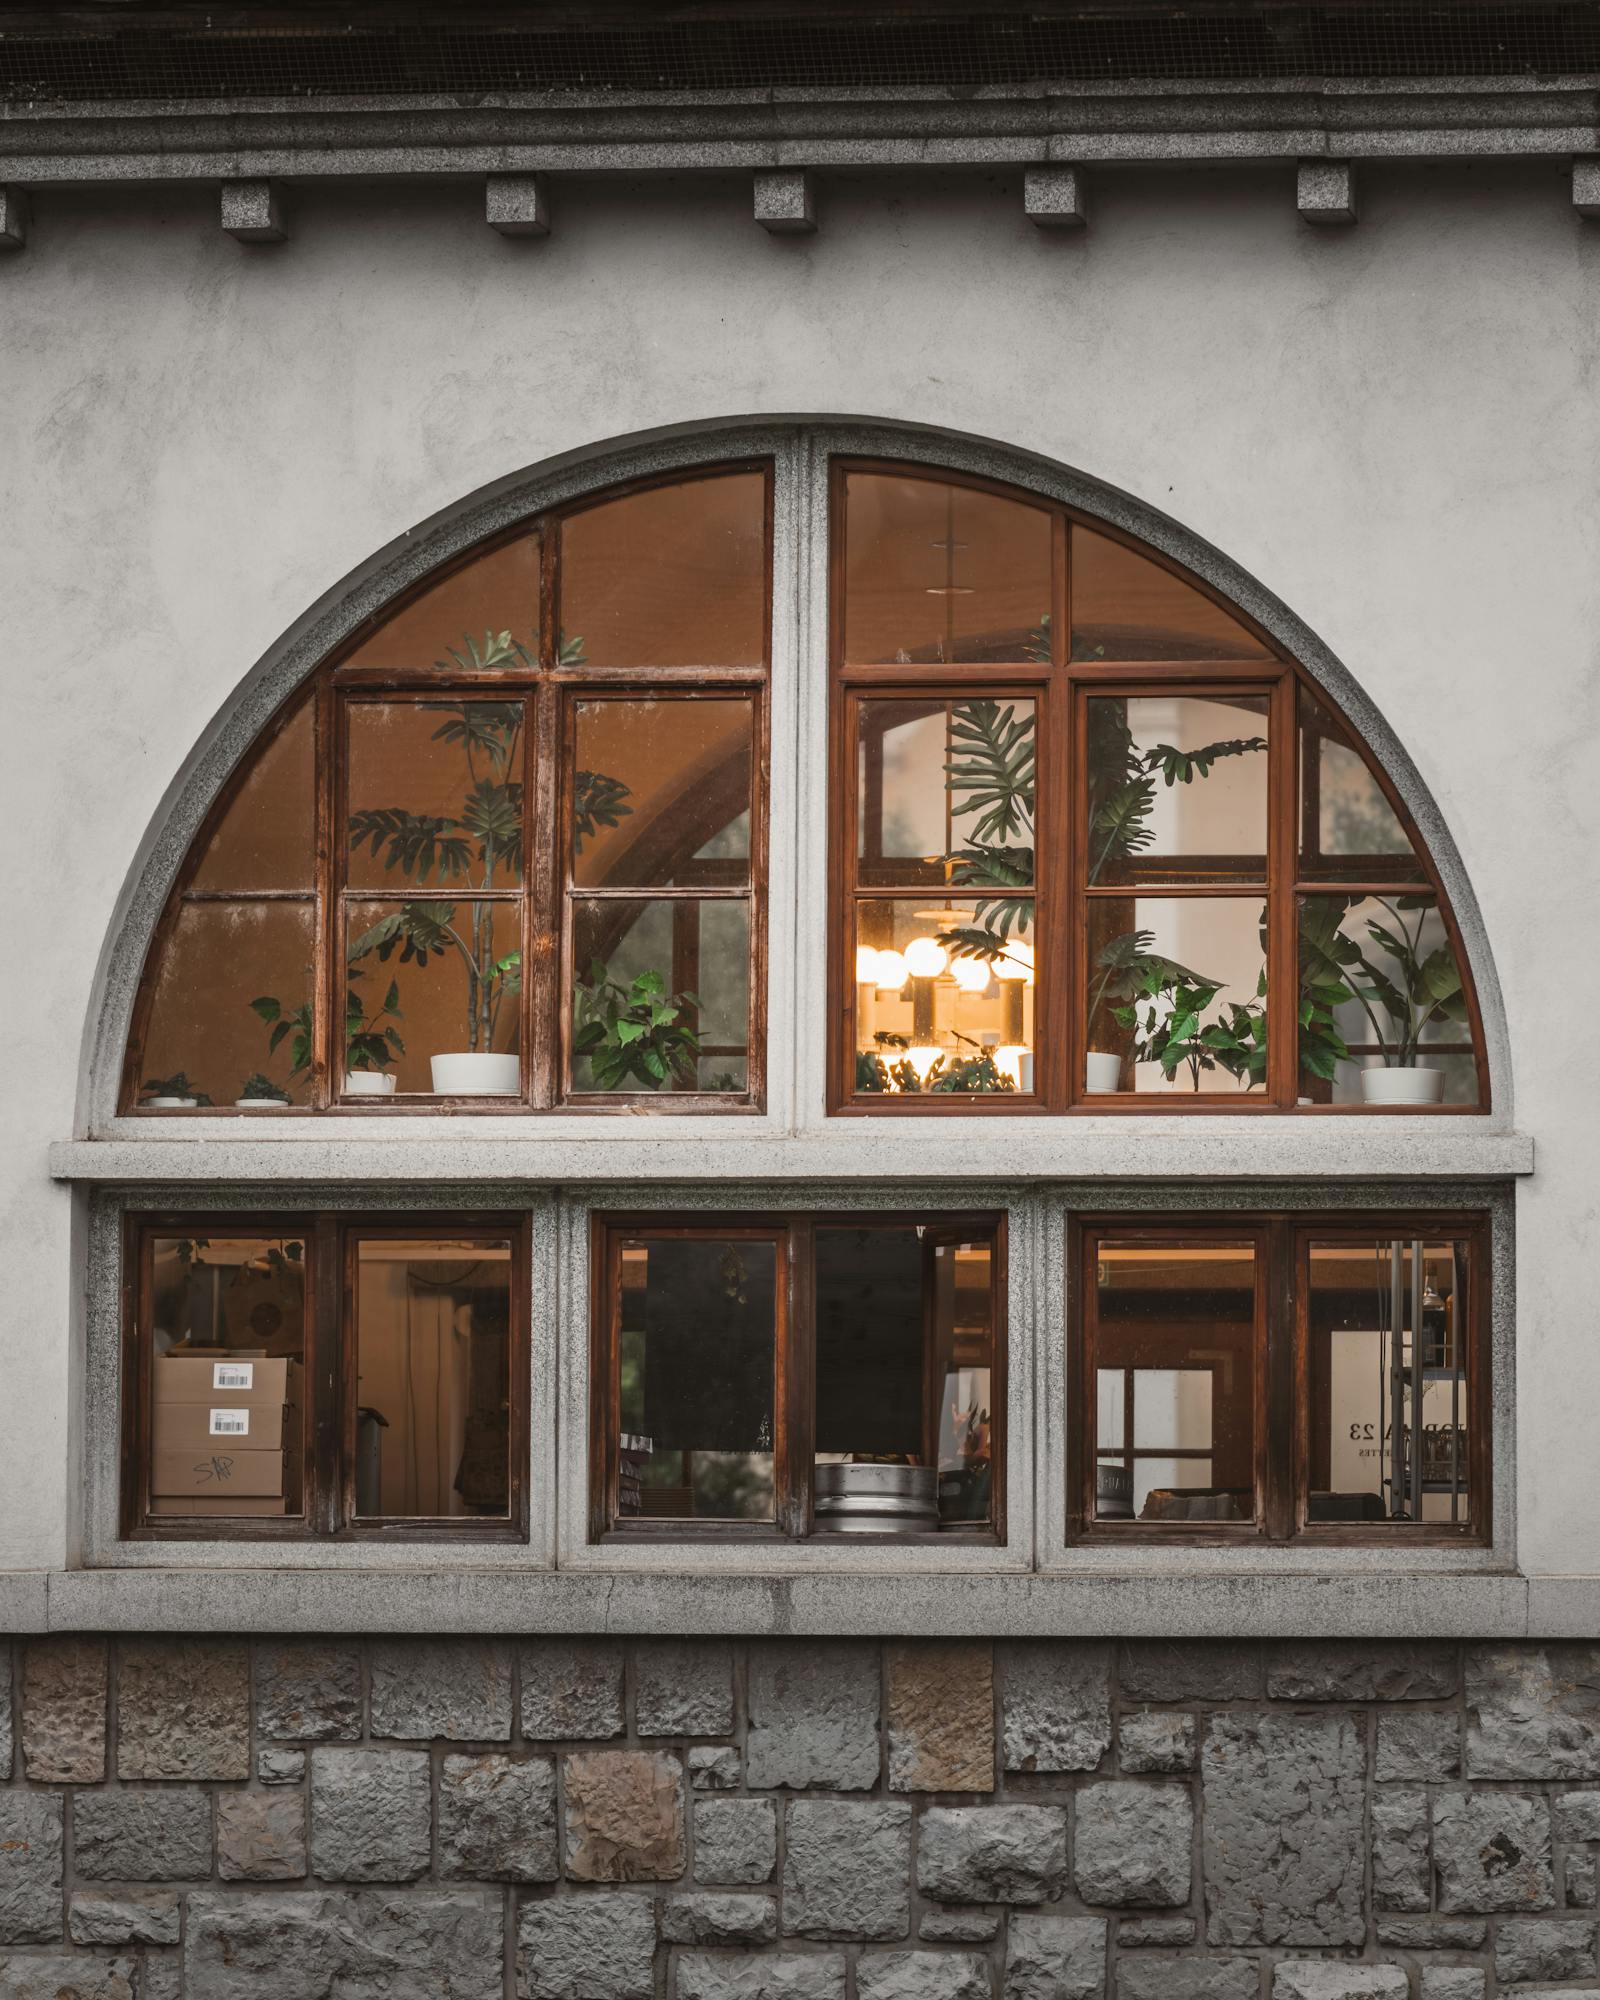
(256, 1384)
(195, 1426)
(222, 1471)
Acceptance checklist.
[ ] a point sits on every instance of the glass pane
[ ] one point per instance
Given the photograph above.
(435, 996)
(484, 614)
(661, 794)
(946, 792)
(1367, 1301)
(945, 996)
(698, 1361)
(227, 1347)
(1175, 1327)
(435, 794)
(672, 577)
(963, 1361)
(938, 572)
(1383, 1015)
(433, 1378)
(1177, 788)
(1126, 607)
(1176, 994)
(230, 1015)
(267, 837)
(1347, 826)
(661, 999)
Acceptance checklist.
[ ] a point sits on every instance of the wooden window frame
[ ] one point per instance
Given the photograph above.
(794, 1396)
(550, 691)
(1061, 688)
(330, 1369)
(1282, 1376)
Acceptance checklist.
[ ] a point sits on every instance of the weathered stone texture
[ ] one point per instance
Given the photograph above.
(922, 1975)
(1284, 1805)
(624, 1816)
(1432, 1933)
(1418, 1746)
(993, 1854)
(1400, 1875)
(1453, 1982)
(1579, 1881)
(571, 1690)
(941, 1717)
(1188, 1979)
(1169, 1932)
(261, 1836)
(497, 1819)
(455, 1689)
(1533, 1711)
(959, 1927)
(735, 1840)
(599, 1947)
(1578, 1815)
(183, 1708)
(786, 1976)
(683, 1687)
(6, 1747)
(123, 1916)
(1153, 1741)
(30, 1867)
(281, 1767)
(159, 1976)
(846, 1871)
(413, 1944)
(813, 1717)
(307, 1691)
(61, 1977)
(64, 1687)
(142, 1836)
(1189, 1670)
(371, 1815)
(1544, 1948)
(1324, 1979)
(1055, 1705)
(1491, 1852)
(1361, 1670)
(1132, 1845)
(702, 1919)
(1055, 1958)
(713, 1768)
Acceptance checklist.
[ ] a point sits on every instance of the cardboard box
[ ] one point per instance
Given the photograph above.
(209, 1510)
(254, 1474)
(201, 1427)
(250, 1382)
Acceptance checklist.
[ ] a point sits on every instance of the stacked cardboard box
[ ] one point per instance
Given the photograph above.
(226, 1433)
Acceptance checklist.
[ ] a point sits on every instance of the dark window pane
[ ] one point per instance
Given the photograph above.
(267, 837)
(1125, 607)
(661, 793)
(940, 572)
(1176, 995)
(1348, 829)
(433, 1378)
(698, 1361)
(231, 1000)
(435, 794)
(661, 994)
(435, 997)
(1177, 788)
(945, 998)
(486, 613)
(946, 793)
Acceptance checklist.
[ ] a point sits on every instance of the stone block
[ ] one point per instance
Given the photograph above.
(371, 1815)
(1055, 1958)
(1361, 1670)
(847, 1871)
(785, 1976)
(785, 201)
(1544, 1948)
(701, 1919)
(1155, 1741)
(280, 1767)
(497, 1819)
(1491, 1852)
(735, 1840)
(64, 1686)
(1578, 1881)
(993, 1854)
(7, 1751)
(455, 1689)
(15, 217)
(714, 1768)
(30, 1867)
(1172, 1933)
(1055, 197)
(1188, 1979)
(941, 1716)
(1180, 1670)
(160, 1975)
(1453, 1982)
(369, 1944)
(598, 1947)
(261, 1836)
(1284, 1804)
(959, 1927)
(252, 212)
(1533, 1711)
(1417, 1746)
(1578, 1816)
(1400, 1875)
(1585, 192)
(1328, 1979)
(1132, 1847)
(683, 1687)
(1055, 1705)
(139, 1836)
(571, 1690)
(922, 1975)
(517, 204)
(624, 1816)
(123, 1916)
(307, 1691)
(59, 1976)
(813, 1716)
(1433, 1933)
(183, 1709)
(1325, 191)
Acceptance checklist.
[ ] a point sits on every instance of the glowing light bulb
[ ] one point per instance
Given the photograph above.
(892, 972)
(1016, 961)
(926, 957)
(866, 965)
(922, 1060)
(970, 974)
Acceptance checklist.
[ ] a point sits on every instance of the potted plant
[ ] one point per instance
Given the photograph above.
(171, 1093)
(370, 1042)
(634, 1034)
(1420, 990)
(260, 1093)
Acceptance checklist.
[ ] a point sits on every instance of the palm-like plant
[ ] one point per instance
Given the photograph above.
(1423, 990)
(1122, 781)
(990, 773)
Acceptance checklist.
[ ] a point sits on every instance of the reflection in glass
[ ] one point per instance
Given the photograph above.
(1126, 607)
(1370, 1458)
(1177, 788)
(227, 1347)
(937, 572)
(484, 614)
(698, 1343)
(435, 793)
(267, 837)
(433, 1378)
(1176, 994)
(661, 994)
(1347, 826)
(661, 793)
(946, 793)
(432, 980)
(231, 975)
(1174, 1348)
(945, 999)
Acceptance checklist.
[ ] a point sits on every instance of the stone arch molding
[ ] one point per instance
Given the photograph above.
(802, 446)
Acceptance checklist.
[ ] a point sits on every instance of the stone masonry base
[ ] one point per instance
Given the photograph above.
(584, 1819)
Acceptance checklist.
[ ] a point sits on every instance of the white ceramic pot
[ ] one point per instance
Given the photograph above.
(368, 1083)
(1402, 1086)
(259, 1104)
(168, 1103)
(477, 1076)
(1102, 1073)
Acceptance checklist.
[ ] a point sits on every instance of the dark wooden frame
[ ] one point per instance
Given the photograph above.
(1282, 1410)
(1061, 688)
(794, 1398)
(328, 1511)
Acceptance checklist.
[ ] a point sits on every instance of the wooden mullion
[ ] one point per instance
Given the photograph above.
(1276, 1364)
(329, 963)
(796, 1398)
(1283, 951)
(1075, 785)
(549, 838)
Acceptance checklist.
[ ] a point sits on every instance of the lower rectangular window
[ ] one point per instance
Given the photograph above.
(326, 1375)
(1268, 1377)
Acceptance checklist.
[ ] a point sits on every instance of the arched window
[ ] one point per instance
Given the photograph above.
(507, 846)
(1101, 843)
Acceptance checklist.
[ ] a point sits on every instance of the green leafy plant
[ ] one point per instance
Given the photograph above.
(978, 1072)
(371, 1042)
(1122, 781)
(991, 775)
(1127, 967)
(259, 1089)
(1419, 989)
(634, 1033)
(172, 1086)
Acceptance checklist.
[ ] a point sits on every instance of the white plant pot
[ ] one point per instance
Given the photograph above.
(1402, 1086)
(259, 1104)
(368, 1083)
(477, 1076)
(1102, 1073)
(168, 1103)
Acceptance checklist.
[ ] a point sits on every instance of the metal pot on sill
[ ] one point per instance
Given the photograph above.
(877, 1499)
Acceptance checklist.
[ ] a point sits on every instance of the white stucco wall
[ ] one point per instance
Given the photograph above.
(1395, 428)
